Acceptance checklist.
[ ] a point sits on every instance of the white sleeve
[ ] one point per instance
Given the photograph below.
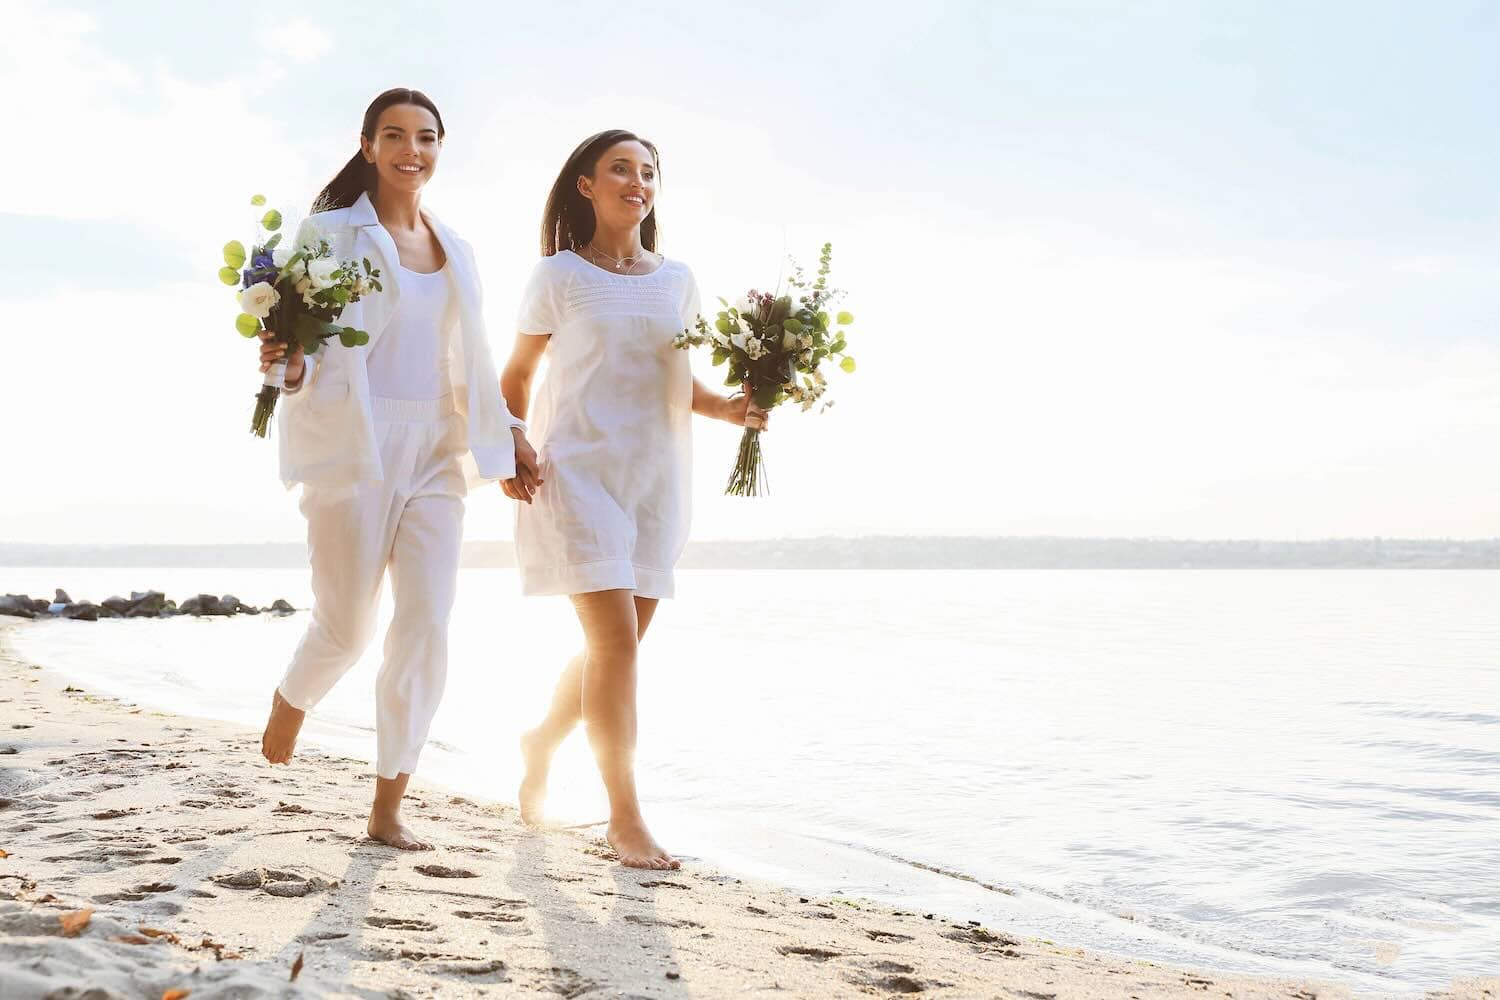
(692, 302)
(541, 301)
(309, 363)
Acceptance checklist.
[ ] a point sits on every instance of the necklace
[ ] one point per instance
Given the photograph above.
(621, 263)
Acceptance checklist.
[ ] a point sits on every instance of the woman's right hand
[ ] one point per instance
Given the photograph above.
(273, 350)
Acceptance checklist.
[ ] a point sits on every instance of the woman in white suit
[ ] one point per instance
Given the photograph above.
(385, 439)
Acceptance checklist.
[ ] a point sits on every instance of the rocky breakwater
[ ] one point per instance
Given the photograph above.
(140, 604)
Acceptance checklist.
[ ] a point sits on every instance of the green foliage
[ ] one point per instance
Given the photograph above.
(229, 276)
(845, 318)
(271, 220)
(847, 365)
(257, 200)
(234, 254)
(247, 325)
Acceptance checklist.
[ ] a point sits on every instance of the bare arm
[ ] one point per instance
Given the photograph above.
(515, 387)
(739, 411)
(515, 380)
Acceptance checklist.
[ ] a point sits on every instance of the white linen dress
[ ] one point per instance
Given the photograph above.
(612, 425)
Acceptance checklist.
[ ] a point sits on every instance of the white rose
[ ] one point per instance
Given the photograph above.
(281, 255)
(754, 348)
(321, 271)
(740, 340)
(806, 340)
(788, 341)
(259, 299)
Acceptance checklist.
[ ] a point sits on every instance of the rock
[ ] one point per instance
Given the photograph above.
(116, 604)
(84, 612)
(146, 605)
(17, 606)
(62, 597)
(281, 607)
(204, 604)
(39, 604)
(109, 613)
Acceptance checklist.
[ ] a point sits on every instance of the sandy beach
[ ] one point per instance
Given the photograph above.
(145, 853)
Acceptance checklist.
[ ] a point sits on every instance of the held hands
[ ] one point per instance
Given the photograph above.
(528, 478)
(742, 412)
(272, 350)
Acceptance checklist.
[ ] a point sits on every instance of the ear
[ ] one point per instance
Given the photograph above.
(367, 148)
(586, 187)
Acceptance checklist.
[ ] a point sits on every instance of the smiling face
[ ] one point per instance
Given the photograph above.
(623, 187)
(404, 148)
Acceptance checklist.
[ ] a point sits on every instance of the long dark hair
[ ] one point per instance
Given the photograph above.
(358, 175)
(568, 223)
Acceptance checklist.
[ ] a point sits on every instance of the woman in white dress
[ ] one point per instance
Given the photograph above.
(385, 439)
(607, 517)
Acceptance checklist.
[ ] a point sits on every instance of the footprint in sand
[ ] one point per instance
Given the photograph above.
(566, 982)
(113, 813)
(443, 871)
(490, 916)
(984, 941)
(887, 937)
(400, 924)
(811, 954)
(632, 918)
(274, 882)
(662, 884)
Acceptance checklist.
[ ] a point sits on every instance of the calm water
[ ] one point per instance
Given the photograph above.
(1287, 772)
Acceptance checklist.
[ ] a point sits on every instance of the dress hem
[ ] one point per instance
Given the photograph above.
(591, 577)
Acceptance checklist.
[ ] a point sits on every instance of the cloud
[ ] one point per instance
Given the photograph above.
(297, 39)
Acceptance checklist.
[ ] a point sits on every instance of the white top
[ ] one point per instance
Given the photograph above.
(411, 360)
(611, 423)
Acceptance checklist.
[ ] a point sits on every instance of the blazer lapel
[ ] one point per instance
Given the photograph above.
(371, 240)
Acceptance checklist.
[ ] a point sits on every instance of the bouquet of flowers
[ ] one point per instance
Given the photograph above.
(298, 292)
(774, 343)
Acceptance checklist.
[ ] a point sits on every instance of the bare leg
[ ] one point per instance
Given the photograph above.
(385, 816)
(566, 712)
(611, 632)
(280, 737)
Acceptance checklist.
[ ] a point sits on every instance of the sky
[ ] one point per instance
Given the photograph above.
(1204, 270)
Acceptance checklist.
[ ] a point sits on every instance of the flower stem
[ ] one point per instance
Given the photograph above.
(749, 479)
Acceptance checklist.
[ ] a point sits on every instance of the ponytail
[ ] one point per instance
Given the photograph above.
(357, 178)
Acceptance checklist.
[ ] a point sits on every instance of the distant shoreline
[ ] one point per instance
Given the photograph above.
(871, 552)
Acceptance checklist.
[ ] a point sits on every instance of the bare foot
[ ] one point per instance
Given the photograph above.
(537, 755)
(390, 831)
(280, 737)
(637, 848)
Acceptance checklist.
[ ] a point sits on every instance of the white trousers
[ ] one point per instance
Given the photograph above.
(411, 523)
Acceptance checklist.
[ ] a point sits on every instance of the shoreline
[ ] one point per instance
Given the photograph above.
(174, 824)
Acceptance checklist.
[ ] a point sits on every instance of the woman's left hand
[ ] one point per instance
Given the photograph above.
(742, 412)
(528, 478)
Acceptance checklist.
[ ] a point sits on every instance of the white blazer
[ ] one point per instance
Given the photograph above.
(327, 433)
